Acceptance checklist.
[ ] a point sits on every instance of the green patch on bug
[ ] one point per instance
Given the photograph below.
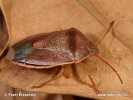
(22, 51)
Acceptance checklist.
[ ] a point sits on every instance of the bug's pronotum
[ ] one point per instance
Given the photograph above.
(57, 48)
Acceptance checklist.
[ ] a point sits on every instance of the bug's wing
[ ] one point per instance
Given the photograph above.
(52, 49)
(48, 57)
(56, 48)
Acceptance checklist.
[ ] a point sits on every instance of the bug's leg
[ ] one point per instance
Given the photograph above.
(67, 72)
(58, 74)
(94, 85)
(110, 67)
(111, 25)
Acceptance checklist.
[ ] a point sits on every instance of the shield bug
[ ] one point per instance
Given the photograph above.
(57, 48)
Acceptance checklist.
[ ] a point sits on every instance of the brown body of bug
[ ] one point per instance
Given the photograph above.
(57, 49)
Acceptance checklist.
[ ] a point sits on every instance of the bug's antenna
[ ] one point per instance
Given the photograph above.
(111, 25)
(110, 67)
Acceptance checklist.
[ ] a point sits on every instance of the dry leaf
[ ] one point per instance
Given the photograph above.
(4, 36)
(120, 11)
